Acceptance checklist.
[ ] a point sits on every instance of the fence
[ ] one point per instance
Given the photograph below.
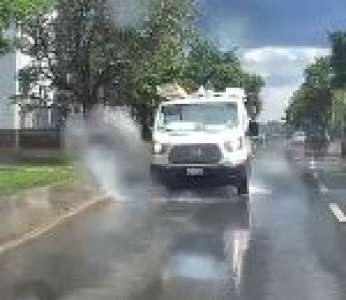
(27, 139)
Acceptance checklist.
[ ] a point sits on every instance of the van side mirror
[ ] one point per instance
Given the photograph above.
(253, 129)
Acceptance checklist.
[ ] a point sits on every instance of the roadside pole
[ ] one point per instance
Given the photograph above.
(342, 139)
(339, 116)
(343, 136)
(17, 129)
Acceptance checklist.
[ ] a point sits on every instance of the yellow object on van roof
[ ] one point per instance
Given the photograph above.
(171, 91)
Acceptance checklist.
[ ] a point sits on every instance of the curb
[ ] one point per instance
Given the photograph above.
(36, 233)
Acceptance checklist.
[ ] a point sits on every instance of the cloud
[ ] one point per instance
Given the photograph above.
(255, 23)
(282, 68)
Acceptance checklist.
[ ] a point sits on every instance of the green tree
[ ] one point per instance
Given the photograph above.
(87, 59)
(157, 54)
(338, 60)
(207, 65)
(253, 85)
(311, 105)
(75, 52)
(14, 11)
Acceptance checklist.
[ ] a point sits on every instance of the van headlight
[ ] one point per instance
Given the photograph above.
(235, 145)
(159, 148)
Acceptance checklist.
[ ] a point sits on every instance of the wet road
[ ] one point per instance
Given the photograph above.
(281, 242)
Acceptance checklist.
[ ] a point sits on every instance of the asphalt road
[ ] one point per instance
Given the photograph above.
(281, 242)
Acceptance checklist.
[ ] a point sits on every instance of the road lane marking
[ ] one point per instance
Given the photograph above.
(338, 213)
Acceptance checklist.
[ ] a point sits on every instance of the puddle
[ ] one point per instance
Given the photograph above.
(195, 266)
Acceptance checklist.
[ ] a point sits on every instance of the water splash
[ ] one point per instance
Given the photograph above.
(110, 150)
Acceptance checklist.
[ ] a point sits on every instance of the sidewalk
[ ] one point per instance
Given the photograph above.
(329, 171)
(331, 180)
(30, 213)
(332, 153)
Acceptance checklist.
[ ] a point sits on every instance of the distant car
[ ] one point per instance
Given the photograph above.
(276, 136)
(318, 140)
(299, 137)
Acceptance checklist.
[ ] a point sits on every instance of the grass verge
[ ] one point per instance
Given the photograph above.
(24, 176)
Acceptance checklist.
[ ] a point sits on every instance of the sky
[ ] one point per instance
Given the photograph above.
(275, 38)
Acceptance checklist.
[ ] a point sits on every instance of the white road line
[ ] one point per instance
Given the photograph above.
(338, 213)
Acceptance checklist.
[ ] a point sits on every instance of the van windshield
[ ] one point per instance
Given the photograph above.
(199, 116)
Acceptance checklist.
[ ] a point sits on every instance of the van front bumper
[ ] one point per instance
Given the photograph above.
(220, 173)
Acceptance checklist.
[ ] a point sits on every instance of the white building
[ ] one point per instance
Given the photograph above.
(11, 116)
(9, 112)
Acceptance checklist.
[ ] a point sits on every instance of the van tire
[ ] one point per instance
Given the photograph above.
(243, 185)
(158, 177)
(155, 175)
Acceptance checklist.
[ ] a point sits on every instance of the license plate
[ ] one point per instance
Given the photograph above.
(194, 172)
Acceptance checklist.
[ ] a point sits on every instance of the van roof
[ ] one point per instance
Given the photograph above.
(202, 100)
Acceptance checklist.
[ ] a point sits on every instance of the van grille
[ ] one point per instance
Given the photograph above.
(195, 154)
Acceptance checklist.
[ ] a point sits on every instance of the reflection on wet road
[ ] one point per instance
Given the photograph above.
(277, 243)
(207, 262)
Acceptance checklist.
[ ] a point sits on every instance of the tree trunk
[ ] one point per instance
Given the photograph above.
(88, 104)
(144, 118)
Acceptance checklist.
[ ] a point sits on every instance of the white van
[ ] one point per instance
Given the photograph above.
(204, 135)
